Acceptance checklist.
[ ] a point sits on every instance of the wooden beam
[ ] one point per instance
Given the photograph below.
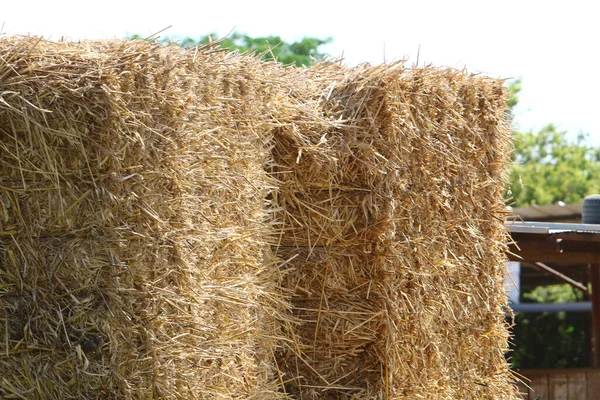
(524, 241)
(577, 273)
(560, 276)
(578, 237)
(555, 257)
(595, 280)
(553, 249)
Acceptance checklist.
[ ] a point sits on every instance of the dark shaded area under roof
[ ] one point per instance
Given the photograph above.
(548, 245)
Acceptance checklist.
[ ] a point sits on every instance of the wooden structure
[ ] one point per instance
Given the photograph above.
(564, 384)
(533, 275)
(569, 244)
(564, 246)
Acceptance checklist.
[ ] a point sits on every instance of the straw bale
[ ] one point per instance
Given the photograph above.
(133, 218)
(395, 239)
(159, 207)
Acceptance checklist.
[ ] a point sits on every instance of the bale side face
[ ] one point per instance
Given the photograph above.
(133, 261)
(399, 236)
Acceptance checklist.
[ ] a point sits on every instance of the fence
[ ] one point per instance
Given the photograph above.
(561, 384)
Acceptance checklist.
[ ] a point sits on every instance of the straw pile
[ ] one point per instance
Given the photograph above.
(192, 224)
(133, 261)
(393, 228)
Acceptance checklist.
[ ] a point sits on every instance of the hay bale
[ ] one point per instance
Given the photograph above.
(394, 231)
(158, 206)
(133, 253)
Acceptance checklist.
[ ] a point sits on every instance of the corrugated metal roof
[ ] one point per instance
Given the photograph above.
(555, 212)
(550, 228)
(580, 306)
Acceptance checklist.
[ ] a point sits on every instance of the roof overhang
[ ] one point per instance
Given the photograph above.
(558, 243)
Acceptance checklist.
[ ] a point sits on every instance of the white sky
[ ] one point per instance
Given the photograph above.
(552, 46)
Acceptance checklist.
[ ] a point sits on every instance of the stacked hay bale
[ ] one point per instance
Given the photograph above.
(133, 260)
(393, 228)
(142, 190)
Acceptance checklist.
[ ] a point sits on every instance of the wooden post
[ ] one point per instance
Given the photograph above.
(595, 280)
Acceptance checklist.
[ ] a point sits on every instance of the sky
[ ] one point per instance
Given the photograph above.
(551, 46)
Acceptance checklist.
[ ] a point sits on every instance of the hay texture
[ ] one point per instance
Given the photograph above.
(133, 260)
(392, 226)
(192, 224)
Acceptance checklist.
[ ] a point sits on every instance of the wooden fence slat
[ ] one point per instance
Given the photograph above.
(593, 384)
(539, 387)
(523, 391)
(577, 383)
(557, 387)
(561, 384)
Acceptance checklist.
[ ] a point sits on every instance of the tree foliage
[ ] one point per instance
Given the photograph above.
(549, 166)
(303, 52)
(514, 88)
(550, 340)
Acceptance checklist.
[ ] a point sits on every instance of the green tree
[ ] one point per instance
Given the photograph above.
(549, 166)
(550, 340)
(303, 52)
(514, 88)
